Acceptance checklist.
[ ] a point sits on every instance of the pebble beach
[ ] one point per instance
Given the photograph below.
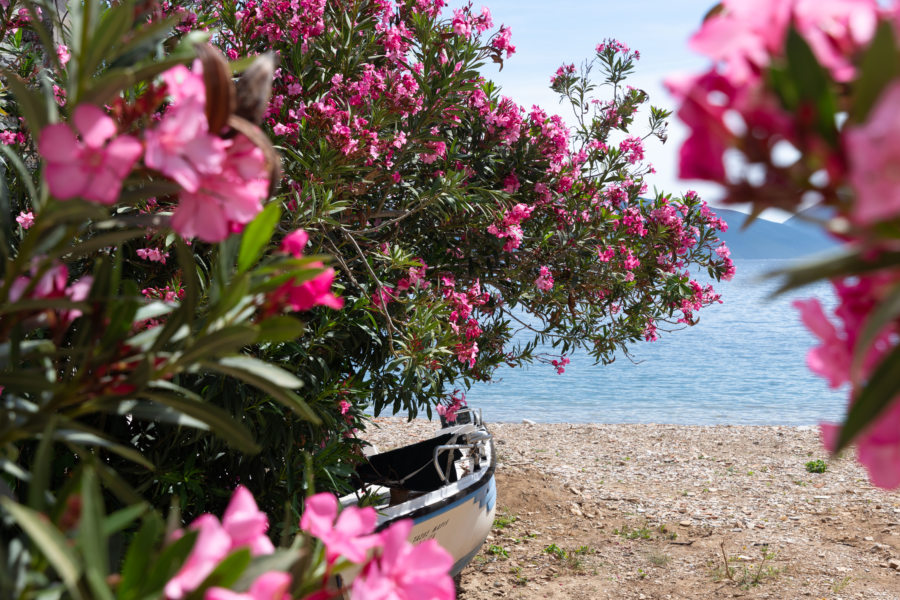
(672, 511)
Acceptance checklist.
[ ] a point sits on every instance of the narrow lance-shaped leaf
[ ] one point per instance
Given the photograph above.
(49, 541)
(218, 420)
(257, 235)
(881, 389)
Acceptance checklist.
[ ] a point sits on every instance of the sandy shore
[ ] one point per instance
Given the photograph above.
(665, 511)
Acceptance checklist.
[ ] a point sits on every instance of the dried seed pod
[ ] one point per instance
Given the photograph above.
(255, 87)
(220, 94)
(261, 141)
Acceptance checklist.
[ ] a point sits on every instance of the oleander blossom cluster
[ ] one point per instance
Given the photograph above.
(847, 160)
(391, 567)
(223, 181)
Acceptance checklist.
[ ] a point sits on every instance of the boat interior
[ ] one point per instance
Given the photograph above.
(411, 471)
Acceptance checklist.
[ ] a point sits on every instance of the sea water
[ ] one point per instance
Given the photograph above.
(744, 363)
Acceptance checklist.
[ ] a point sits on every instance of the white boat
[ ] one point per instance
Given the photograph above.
(445, 484)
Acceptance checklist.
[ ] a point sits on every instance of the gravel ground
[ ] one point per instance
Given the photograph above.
(666, 511)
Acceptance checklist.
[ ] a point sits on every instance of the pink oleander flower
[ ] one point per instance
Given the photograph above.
(183, 84)
(243, 525)
(306, 295)
(294, 242)
(501, 41)
(874, 152)
(545, 280)
(273, 585)
(25, 219)
(211, 546)
(560, 364)
(53, 284)
(383, 296)
(405, 572)
(246, 524)
(182, 148)
(832, 358)
(224, 201)
(92, 167)
(62, 53)
(153, 254)
(348, 535)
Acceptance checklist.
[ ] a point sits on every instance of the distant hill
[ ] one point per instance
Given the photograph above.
(794, 238)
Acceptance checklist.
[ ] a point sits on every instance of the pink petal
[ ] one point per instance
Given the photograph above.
(121, 154)
(394, 540)
(66, 180)
(199, 216)
(246, 524)
(58, 144)
(319, 514)
(294, 242)
(94, 125)
(270, 586)
(356, 521)
(103, 187)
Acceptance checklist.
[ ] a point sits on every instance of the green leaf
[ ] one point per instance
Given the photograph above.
(24, 175)
(97, 243)
(280, 329)
(41, 469)
(813, 83)
(28, 101)
(218, 420)
(268, 378)
(90, 526)
(880, 66)
(107, 86)
(828, 265)
(49, 541)
(873, 399)
(189, 279)
(885, 313)
(142, 42)
(139, 556)
(83, 436)
(157, 573)
(227, 340)
(150, 411)
(280, 560)
(122, 518)
(225, 574)
(38, 304)
(116, 21)
(273, 373)
(257, 235)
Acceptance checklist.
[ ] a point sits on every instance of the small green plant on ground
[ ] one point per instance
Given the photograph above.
(504, 520)
(659, 559)
(642, 533)
(670, 535)
(498, 551)
(556, 551)
(838, 586)
(816, 466)
(746, 574)
(517, 573)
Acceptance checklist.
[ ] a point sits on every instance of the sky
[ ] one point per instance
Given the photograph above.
(548, 34)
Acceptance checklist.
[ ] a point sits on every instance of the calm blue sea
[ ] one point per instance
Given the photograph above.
(743, 364)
